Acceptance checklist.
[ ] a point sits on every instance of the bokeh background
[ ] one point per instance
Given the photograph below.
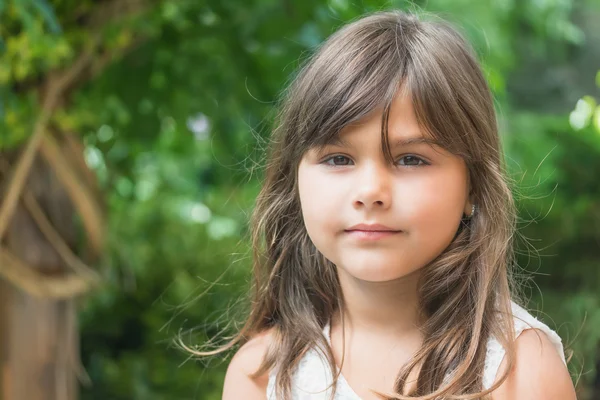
(131, 139)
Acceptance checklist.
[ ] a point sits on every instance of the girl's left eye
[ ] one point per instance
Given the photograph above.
(412, 161)
(337, 161)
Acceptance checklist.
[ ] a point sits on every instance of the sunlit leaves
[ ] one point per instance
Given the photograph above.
(586, 112)
(583, 113)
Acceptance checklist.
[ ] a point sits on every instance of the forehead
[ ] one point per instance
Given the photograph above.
(401, 125)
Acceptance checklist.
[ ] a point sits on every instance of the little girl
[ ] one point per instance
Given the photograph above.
(383, 234)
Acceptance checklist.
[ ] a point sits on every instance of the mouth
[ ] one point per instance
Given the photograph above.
(371, 228)
(371, 234)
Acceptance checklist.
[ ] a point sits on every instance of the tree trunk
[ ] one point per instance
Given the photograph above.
(39, 344)
(41, 272)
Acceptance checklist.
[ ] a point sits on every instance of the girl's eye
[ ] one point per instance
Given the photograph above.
(407, 161)
(411, 161)
(337, 161)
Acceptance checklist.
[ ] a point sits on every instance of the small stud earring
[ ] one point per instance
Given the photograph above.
(473, 208)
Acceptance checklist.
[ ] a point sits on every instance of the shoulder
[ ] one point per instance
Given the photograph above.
(239, 382)
(538, 373)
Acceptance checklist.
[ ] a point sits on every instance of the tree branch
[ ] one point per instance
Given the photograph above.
(80, 195)
(54, 87)
(26, 278)
(23, 166)
(45, 226)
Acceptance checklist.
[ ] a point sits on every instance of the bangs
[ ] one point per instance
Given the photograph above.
(360, 71)
(354, 74)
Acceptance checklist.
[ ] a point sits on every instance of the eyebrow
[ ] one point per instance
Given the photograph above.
(417, 140)
(338, 141)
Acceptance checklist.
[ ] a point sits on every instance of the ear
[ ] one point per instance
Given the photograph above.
(469, 200)
(469, 195)
(468, 208)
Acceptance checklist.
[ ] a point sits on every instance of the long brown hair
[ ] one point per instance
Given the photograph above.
(464, 293)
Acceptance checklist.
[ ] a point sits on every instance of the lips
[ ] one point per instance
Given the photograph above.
(371, 228)
(371, 232)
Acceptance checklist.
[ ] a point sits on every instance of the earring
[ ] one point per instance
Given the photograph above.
(473, 208)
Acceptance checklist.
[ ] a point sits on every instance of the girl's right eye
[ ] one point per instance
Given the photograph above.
(337, 161)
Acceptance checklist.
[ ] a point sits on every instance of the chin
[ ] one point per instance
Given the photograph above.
(377, 274)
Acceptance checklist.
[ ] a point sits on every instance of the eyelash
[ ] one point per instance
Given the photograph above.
(422, 162)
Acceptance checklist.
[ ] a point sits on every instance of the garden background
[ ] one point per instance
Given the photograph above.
(131, 138)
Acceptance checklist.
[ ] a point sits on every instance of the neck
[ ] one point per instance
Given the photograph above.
(381, 308)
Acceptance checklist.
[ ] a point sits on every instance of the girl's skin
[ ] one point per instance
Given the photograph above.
(423, 197)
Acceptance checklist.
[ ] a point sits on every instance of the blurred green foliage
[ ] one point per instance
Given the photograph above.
(174, 119)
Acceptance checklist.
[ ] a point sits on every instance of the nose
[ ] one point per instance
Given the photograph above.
(373, 187)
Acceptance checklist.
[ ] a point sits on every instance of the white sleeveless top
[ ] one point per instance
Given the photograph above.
(312, 375)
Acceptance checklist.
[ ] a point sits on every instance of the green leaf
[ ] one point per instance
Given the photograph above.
(596, 119)
(580, 117)
(26, 17)
(48, 13)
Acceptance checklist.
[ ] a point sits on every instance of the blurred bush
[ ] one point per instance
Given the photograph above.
(174, 108)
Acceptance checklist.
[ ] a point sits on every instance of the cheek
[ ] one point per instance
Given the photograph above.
(310, 192)
(438, 203)
(317, 194)
(318, 200)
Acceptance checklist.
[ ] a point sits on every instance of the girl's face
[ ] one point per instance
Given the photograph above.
(420, 199)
